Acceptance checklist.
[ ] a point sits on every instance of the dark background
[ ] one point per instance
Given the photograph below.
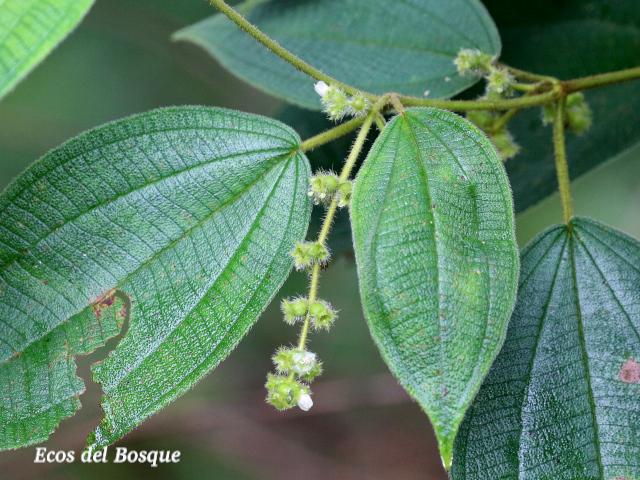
(121, 61)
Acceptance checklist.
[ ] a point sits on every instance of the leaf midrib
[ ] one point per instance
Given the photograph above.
(167, 394)
(230, 260)
(583, 351)
(536, 344)
(199, 223)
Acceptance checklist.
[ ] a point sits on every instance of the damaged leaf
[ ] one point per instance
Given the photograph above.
(189, 213)
(561, 400)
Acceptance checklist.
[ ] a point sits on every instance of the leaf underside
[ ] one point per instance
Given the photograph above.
(375, 45)
(29, 30)
(563, 397)
(437, 260)
(186, 213)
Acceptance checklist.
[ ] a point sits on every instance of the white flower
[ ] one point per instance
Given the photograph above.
(321, 88)
(303, 362)
(305, 403)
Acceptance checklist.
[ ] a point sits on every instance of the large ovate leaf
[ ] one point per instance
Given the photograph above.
(182, 220)
(570, 39)
(29, 30)
(379, 46)
(432, 221)
(563, 398)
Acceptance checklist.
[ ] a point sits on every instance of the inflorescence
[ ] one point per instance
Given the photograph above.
(500, 84)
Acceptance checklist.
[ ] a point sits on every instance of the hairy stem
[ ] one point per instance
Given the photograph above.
(601, 80)
(279, 50)
(331, 212)
(562, 167)
(455, 105)
(485, 104)
(331, 134)
(502, 121)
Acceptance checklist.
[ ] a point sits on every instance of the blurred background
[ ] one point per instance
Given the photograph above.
(121, 61)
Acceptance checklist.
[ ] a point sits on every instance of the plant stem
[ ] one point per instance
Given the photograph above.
(467, 105)
(529, 76)
(501, 122)
(282, 52)
(601, 80)
(562, 168)
(455, 105)
(331, 134)
(331, 212)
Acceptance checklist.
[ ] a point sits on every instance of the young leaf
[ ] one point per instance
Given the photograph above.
(374, 45)
(563, 398)
(30, 30)
(187, 214)
(433, 232)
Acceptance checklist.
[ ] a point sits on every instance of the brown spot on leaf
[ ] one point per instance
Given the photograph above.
(630, 372)
(104, 302)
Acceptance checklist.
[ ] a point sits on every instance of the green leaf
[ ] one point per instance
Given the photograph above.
(189, 213)
(571, 39)
(563, 398)
(30, 30)
(374, 45)
(437, 259)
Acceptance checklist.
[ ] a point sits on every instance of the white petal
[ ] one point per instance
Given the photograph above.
(305, 403)
(321, 88)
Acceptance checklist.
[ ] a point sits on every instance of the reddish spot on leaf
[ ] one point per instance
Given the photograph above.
(630, 372)
(105, 301)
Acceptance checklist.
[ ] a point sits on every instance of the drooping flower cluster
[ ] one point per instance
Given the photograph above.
(325, 186)
(337, 104)
(296, 368)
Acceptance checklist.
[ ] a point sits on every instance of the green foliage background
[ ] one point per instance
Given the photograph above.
(116, 64)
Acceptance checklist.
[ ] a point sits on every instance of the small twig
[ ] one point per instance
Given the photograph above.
(562, 167)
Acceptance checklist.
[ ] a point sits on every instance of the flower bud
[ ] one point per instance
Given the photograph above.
(358, 105)
(483, 119)
(577, 116)
(308, 254)
(499, 80)
(284, 392)
(283, 359)
(322, 314)
(304, 402)
(294, 309)
(337, 104)
(321, 88)
(578, 113)
(345, 189)
(323, 186)
(303, 362)
(472, 61)
(505, 145)
(313, 373)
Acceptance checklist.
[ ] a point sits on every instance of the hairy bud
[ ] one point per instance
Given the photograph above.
(284, 392)
(337, 104)
(308, 254)
(505, 145)
(294, 309)
(322, 314)
(499, 80)
(472, 62)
